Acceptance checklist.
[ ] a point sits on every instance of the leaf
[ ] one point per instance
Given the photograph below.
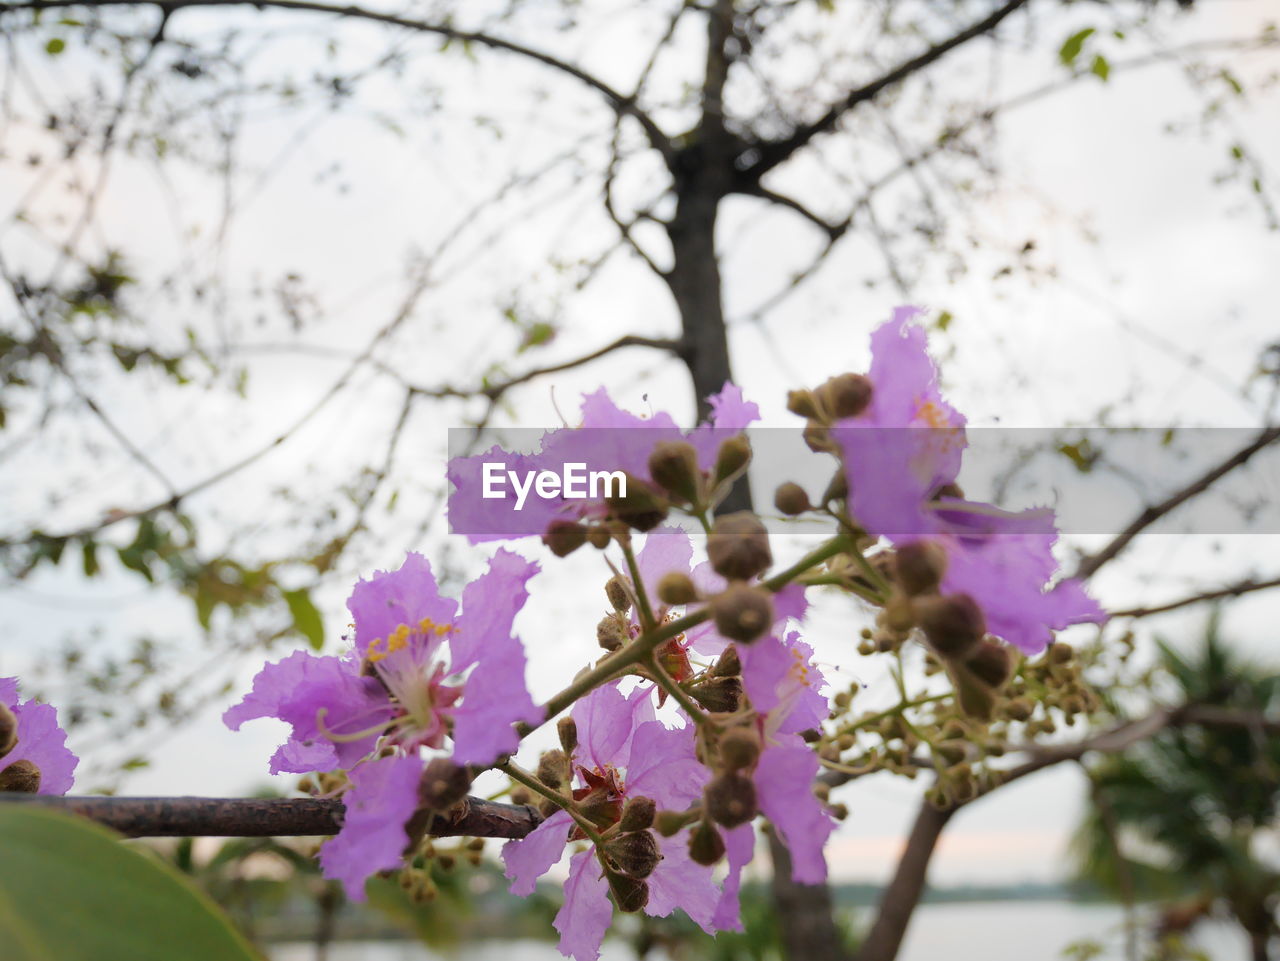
(55, 46)
(944, 320)
(69, 891)
(306, 619)
(1072, 46)
(89, 551)
(1100, 68)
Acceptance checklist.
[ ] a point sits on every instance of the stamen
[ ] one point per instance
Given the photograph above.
(338, 738)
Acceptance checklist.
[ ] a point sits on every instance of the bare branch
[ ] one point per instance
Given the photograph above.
(1247, 586)
(1089, 565)
(772, 153)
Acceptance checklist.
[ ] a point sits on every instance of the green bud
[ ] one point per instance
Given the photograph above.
(742, 613)
(669, 823)
(564, 537)
(643, 508)
(790, 499)
(20, 777)
(618, 594)
(730, 799)
(676, 588)
(732, 459)
(739, 747)
(634, 854)
(674, 467)
(706, 846)
(638, 815)
(953, 624)
(738, 546)
(567, 729)
(918, 567)
(801, 403)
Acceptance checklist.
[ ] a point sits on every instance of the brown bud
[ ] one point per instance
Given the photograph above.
(1060, 653)
(598, 536)
(954, 624)
(732, 459)
(991, 663)
(610, 634)
(976, 698)
(918, 567)
(443, 784)
(817, 437)
(20, 777)
(790, 499)
(553, 768)
(730, 799)
(846, 395)
(727, 664)
(720, 695)
(642, 507)
(567, 729)
(706, 846)
(1019, 709)
(738, 546)
(801, 402)
(520, 795)
(676, 588)
(629, 894)
(739, 747)
(899, 614)
(564, 537)
(673, 465)
(810, 735)
(638, 815)
(669, 823)
(634, 854)
(618, 593)
(8, 730)
(741, 612)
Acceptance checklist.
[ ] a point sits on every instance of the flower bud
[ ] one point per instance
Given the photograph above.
(837, 489)
(673, 465)
(817, 437)
(634, 854)
(738, 546)
(899, 614)
(918, 567)
(720, 695)
(732, 459)
(619, 596)
(954, 624)
(610, 634)
(1060, 653)
(727, 664)
(638, 814)
(669, 823)
(801, 402)
(642, 507)
(553, 769)
(564, 537)
(846, 395)
(567, 729)
(739, 747)
(8, 730)
(598, 536)
(676, 588)
(20, 777)
(443, 784)
(790, 499)
(742, 613)
(706, 846)
(730, 799)
(1019, 709)
(629, 894)
(991, 663)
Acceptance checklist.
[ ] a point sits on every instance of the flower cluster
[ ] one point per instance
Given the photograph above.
(34, 758)
(703, 711)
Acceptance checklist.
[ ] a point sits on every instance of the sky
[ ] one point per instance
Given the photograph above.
(1158, 322)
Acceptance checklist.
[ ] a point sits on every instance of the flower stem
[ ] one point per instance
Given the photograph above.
(677, 692)
(647, 620)
(520, 775)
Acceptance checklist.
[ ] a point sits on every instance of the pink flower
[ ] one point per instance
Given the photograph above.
(39, 741)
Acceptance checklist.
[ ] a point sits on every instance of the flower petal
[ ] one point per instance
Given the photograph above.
(740, 848)
(406, 595)
(680, 882)
(586, 913)
(42, 742)
(784, 788)
(532, 856)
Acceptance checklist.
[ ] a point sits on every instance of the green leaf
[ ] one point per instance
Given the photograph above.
(70, 891)
(306, 619)
(55, 46)
(1100, 68)
(944, 320)
(89, 551)
(1072, 46)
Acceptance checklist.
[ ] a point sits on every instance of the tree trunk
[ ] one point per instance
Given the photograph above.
(903, 893)
(806, 916)
(1259, 942)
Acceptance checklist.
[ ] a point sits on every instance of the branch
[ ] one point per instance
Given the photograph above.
(156, 817)
(1246, 586)
(620, 102)
(1089, 565)
(833, 231)
(772, 153)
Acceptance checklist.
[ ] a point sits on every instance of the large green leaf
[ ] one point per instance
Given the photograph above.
(70, 891)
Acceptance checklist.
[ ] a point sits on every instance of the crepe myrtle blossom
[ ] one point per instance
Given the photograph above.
(623, 752)
(607, 441)
(901, 458)
(34, 758)
(783, 687)
(420, 675)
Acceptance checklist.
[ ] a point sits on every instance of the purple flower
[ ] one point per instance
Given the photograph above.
(39, 741)
(608, 439)
(419, 674)
(623, 752)
(901, 455)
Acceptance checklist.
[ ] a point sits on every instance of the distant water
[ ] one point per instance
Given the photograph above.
(984, 931)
